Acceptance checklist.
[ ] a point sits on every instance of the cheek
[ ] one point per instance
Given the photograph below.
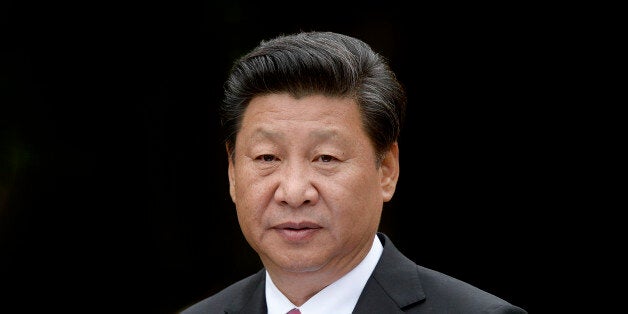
(369, 197)
(253, 194)
(358, 195)
(365, 185)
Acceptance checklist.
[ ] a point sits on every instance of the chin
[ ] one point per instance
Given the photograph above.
(301, 268)
(300, 265)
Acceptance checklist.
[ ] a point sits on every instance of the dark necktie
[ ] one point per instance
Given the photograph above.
(294, 311)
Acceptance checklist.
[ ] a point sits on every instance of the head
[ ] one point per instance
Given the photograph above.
(311, 123)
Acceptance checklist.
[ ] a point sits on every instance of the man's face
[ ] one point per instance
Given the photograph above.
(305, 183)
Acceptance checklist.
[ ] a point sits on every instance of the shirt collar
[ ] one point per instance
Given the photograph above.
(339, 297)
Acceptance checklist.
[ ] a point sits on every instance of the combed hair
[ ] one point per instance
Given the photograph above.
(310, 63)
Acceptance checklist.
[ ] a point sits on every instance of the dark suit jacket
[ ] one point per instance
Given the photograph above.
(397, 285)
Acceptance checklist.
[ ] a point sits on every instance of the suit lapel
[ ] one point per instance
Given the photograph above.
(252, 299)
(393, 285)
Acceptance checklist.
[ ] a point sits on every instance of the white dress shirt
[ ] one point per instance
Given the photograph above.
(339, 298)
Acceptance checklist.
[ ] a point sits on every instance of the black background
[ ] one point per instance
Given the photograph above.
(113, 183)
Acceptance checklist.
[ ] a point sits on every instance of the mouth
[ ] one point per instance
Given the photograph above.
(297, 231)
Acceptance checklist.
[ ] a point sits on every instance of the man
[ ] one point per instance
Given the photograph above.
(312, 121)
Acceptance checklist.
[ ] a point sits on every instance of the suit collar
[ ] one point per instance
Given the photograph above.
(252, 299)
(393, 285)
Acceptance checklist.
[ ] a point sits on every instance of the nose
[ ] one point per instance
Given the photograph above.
(295, 187)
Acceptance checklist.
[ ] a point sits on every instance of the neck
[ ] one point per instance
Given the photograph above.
(299, 287)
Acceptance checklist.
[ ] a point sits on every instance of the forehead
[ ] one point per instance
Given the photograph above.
(281, 110)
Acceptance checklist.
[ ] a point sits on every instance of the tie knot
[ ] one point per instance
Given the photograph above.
(294, 311)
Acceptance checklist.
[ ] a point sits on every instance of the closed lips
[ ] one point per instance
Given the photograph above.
(298, 225)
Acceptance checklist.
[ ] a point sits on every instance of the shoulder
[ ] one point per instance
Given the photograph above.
(232, 295)
(449, 292)
(421, 288)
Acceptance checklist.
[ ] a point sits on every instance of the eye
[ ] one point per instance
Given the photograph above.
(266, 158)
(326, 158)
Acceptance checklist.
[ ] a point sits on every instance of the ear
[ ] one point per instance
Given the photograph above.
(231, 176)
(389, 172)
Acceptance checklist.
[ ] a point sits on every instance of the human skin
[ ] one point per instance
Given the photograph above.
(307, 188)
